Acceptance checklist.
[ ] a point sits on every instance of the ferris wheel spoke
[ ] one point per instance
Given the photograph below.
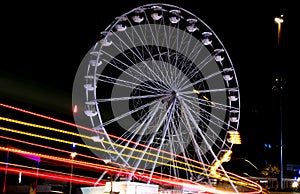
(116, 81)
(180, 137)
(127, 84)
(128, 98)
(129, 113)
(136, 54)
(209, 90)
(163, 138)
(170, 32)
(136, 130)
(186, 62)
(115, 63)
(133, 73)
(155, 40)
(206, 78)
(150, 141)
(211, 134)
(140, 129)
(212, 75)
(195, 101)
(189, 125)
(200, 132)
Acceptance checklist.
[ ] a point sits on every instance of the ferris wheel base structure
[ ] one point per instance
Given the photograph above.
(122, 187)
(128, 187)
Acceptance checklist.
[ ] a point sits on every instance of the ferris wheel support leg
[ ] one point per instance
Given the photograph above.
(100, 178)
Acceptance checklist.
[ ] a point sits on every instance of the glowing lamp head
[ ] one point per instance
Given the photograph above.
(278, 20)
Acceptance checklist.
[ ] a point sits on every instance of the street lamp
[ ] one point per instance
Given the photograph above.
(279, 21)
(278, 86)
(73, 155)
(279, 83)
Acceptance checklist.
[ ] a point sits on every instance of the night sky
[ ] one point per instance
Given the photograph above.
(42, 45)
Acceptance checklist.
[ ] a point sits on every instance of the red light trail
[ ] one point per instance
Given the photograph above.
(157, 178)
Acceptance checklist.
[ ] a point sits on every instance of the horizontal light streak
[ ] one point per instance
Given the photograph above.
(254, 185)
(53, 175)
(69, 152)
(91, 147)
(99, 149)
(111, 169)
(92, 130)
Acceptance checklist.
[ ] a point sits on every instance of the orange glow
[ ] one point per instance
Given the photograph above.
(234, 137)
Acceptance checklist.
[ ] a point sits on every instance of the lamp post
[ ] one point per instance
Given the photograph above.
(279, 83)
(278, 86)
(73, 155)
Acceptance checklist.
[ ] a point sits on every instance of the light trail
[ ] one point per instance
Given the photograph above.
(246, 183)
(99, 149)
(176, 181)
(91, 147)
(50, 148)
(98, 132)
(69, 152)
(104, 150)
(51, 175)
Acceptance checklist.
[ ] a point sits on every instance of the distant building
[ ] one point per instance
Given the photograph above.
(293, 170)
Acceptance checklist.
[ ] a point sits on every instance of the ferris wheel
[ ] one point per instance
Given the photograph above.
(160, 94)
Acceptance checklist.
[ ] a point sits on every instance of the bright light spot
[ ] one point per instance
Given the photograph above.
(97, 139)
(224, 158)
(20, 177)
(73, 145)
(234, 137)
(278, 20)
(295, 184)
(75, 109)
(196, 91)
(73, 154)
(263, 181)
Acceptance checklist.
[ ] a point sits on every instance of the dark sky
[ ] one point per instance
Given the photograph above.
(42, 45)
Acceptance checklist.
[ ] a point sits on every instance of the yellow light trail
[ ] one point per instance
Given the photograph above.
(103, 150)
(114, 169)
(75, 177)
(158, 174)
(89, 129)
(82, 136)
(76, 162)
(118, 170)
(83, 145)
(235, 180)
